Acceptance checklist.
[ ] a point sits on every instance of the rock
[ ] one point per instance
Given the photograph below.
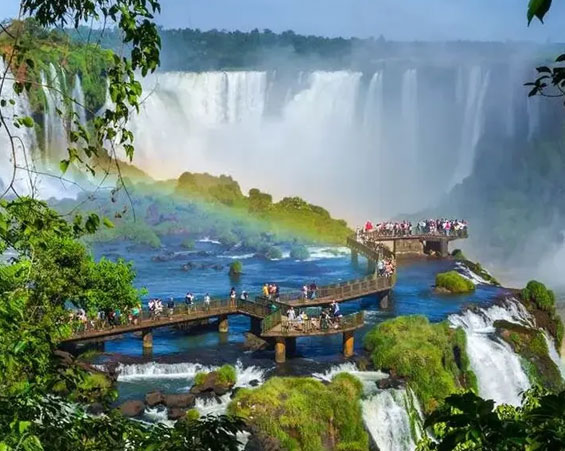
(254, 383)
(184, 400)
(234, 392)
(211, 384)
(132, 408)
(390, 382)
(442, 290)
(188, 266)
(203, 253)
(95, 409)
(154, 398)
(176, 413)
(259, 441)
(254, 343)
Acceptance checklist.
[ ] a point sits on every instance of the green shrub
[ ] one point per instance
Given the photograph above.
(454, 282)
(226, 375)
(200, 378)
(458, 254)
(236, 268)
(188, 244)
(425, 354)
(192, 415)
(305, 414)
(537, 293)
(272, 252)
(299, 252)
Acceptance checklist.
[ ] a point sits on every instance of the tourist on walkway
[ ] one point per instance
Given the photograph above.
(266, 291)
(336, 313)
(291, 314)
(313, 289)
(189, 301)
(304, 294)
(207, 302)
(158, 308)
(244, 296)
(232, 296)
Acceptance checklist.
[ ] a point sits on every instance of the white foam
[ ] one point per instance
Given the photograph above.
(325, 252)
(207, 239)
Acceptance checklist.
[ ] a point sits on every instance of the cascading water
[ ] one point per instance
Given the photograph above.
(79, 102)
(55, 134)
(498, 369)
(473, 119)
(392, 417)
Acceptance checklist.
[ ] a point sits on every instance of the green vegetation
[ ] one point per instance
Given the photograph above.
(291, 214)
(226, 375)
(192, 415)
(541, 303)
(531, 345)
(188, 244)
(432, 357)
(236, 268)
(454, 282)
(304, 414)
(467, 422)
(299, 252)
(199, 378)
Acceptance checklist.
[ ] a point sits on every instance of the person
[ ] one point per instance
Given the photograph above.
(135, 314)
(313, 289)
(152, 308)
(171, 307)
(243, 296)
(207, 301)
(232, 296)
(380, 267)
(189, 301)
(336, 313)
(291, 314)
(304, 294)
(324, 320)
(266, 291)
(277, 292)
(158, 308)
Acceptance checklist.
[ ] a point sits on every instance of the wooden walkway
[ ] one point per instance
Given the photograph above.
(311, 326)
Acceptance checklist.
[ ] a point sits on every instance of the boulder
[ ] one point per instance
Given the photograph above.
(254, 383)
(154, 398)
(181, 400)
(254, 343)
(390, 382)
(176, 413)
(211, 384)
(132, 408)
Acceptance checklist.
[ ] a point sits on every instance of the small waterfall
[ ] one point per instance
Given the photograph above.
(154, 370)
(392, 417)
(386, 415)
(533, 112)
(79, 102)
(498, 369)
(473, 121)
(410, 114)
(553, 354)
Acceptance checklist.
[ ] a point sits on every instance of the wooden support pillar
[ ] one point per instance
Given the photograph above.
(291, 345)
(348, 342)
(280, 349)
(147, 339)
(223, 324)
(256, 326)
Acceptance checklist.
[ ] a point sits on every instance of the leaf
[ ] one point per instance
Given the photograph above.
(23, 426)
(64, 165)
(538, 8)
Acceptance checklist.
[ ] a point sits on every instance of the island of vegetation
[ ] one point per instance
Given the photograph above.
(453, 282)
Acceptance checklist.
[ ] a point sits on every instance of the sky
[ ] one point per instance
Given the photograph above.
(495, 20)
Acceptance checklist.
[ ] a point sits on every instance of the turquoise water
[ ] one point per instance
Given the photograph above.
(413, 294)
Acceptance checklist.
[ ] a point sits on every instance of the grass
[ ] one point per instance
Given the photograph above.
(454, 282)
(225, 375)
(432, 357)
(305, 414)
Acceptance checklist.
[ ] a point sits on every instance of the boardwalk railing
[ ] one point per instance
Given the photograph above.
(271, 321)
(416, 234)
(279, 325)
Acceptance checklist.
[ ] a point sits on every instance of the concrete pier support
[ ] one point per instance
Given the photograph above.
(147, 336)
(348, 342)
(223, 324)
(256, 326)
(384, 300)
(280, 349)
(444, 248)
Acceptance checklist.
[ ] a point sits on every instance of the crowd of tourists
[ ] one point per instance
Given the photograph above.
(309, 292)
(442, 226)
(386, 267)
(271, 291)
(329, 318)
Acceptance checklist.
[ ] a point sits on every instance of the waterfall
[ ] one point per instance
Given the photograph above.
(23, 144)
(410, 114)
(387, 417)
(533, 112)
(392, 417)
(473, 120)
(55, 135)
(498, 369)
(79, 102)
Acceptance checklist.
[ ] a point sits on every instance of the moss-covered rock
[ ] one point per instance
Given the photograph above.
(474, 267)
(305, 414)
(453, 282)
(236, 268)
(219, 381)
(531, 345)
(431, 357)
(540, 302)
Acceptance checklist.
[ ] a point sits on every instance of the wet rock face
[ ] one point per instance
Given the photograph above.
(132, 408)
(181, 400)
(254, 343)
(154, 398)
(212, 384)
(176, 413)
